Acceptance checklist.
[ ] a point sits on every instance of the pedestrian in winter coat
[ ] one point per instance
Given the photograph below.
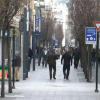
(45, 53)
(17, 65)
(52, 63)
(76, 56)
(30, 54)
(66, 65)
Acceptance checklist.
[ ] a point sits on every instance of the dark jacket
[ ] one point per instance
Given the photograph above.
(17, 60)
(67, 58)
(30, 53)
(76, 55)
(43, 54)
(93, 54)
(52, 59)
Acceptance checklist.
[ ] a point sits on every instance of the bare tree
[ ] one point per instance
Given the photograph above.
(82, 13)
(59, 33)
(47, 28)
(9, 9)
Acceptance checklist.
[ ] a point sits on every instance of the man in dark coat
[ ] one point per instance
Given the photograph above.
(52, 63)
(44, 55)
(76, 55)
(30, 54)
(66, 65)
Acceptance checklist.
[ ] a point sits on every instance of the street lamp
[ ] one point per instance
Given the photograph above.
(13, 58)
(24, 45)
(39, 40)
(33, 37)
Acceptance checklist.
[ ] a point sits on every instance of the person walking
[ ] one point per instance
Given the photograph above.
(66, 65)
(41, 48)
(36, 52)
(71, 50)
(17, 65)
(76, 56)
(45, 53)
(52, 57)
(30, 54)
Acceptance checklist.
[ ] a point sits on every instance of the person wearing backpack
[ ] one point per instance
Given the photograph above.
(76, 55)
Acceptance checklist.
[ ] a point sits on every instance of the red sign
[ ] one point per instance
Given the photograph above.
(91, 38)
(97, 25)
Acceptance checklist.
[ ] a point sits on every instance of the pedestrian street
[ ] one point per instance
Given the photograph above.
(39, 87)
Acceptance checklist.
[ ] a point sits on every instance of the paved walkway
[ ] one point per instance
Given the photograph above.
(39, 87)
(94, 73)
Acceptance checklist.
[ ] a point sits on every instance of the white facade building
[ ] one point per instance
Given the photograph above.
(60, 12)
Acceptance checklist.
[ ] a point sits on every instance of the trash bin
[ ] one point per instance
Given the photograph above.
(6, 72)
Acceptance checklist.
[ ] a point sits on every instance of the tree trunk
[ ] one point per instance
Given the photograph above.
(43, 43)
(82, 55)
(88, 68)
(46, 43)
(85, 61)
(3, 66)
(9, 62)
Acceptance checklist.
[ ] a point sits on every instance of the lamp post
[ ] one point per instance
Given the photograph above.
(33, 41)
(97, 47)
(13, 58)
(27, 43)
(24, 45)
(39, 37)
(39, 40)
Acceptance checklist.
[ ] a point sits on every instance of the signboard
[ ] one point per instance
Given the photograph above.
(37, 25)
(56, 42)
(97, 25)
(37, 19)
(90, 35)
(37, 34)
(6, 33)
